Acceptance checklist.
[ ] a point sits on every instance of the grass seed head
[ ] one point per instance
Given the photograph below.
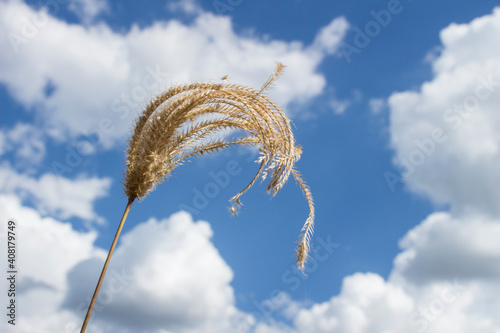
(190, 120)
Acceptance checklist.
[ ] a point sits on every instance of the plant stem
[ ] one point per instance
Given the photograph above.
(106, 263)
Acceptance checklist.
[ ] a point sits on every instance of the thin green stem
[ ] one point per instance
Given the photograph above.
(106, 263)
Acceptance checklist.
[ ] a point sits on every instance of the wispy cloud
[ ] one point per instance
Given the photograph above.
(88, 10)
(56, 195)
(26, 142)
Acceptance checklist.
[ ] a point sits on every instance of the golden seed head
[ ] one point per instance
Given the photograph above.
(187, 121)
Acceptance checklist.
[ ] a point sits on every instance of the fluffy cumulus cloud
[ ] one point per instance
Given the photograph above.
(55, 195)
(91, 79)
(447, 135)
(446, 141)
(362, 296)
(47, 250)
(444, 280)
(438, 248)
(166, 276)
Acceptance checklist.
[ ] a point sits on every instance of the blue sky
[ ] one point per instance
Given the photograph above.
(394, 103)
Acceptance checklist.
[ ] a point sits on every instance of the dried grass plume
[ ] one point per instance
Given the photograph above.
(188, 121)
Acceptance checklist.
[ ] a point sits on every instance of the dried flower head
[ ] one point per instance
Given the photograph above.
(187, 121)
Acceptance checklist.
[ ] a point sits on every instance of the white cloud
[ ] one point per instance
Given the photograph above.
(58, 241)
(173, 269)
(165, 276)
(339, 106)
(26, 142)
(46, 250)
(438, 248)
(185, 6)
(56, 195)
(88, 10)
(449, 267)
(444, 280)
(468, 43)
(101, 78)
(329, 37)
(376, 105)
(447, 135)
(364, 304)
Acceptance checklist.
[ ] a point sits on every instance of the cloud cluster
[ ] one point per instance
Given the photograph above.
(444, 280)
(91, 79)
(446, 141)
(175, 271)
(429, 290)
(166, 276)
(438, 248)
(46, 250)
